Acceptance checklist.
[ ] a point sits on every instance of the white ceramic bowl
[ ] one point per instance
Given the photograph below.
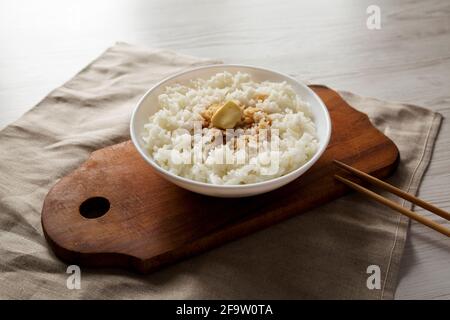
(148, 105)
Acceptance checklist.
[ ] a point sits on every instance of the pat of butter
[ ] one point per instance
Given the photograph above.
(227, 116)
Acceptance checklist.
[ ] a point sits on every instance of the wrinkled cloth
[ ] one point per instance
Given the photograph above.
(322, 254)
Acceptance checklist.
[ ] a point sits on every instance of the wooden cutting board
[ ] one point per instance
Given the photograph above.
(148, 222)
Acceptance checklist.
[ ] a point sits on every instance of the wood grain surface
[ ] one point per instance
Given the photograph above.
(46, 42)
(148, 222)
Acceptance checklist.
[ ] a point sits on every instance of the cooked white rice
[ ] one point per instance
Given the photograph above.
(172, 128)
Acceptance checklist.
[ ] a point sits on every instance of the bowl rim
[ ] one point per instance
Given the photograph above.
(282, 178)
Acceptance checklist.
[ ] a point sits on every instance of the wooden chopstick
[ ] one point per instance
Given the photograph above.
(392, 204)
(397, 191)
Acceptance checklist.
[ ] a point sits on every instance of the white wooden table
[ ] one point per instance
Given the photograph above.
(43, 43)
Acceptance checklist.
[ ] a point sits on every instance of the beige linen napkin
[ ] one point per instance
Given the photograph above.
(321, 254)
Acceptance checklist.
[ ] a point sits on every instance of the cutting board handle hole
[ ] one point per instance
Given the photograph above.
(94, 207)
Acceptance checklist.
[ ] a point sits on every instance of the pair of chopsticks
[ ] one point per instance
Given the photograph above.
(376, 182)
